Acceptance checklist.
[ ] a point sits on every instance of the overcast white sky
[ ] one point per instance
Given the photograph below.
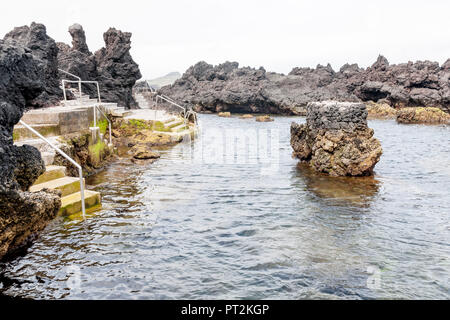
(171, 35)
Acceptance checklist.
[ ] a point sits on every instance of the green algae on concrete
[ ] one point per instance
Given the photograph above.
(71, 204)
(103, 125)
(47, 130)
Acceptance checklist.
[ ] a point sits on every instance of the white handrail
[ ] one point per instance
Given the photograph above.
(109, 122)
(99, 99)
(72, 75)
(80, 170)
(82, 81)
(173, 103)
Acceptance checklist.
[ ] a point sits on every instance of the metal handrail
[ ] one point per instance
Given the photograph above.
(80, 170)
(79, 82)
(173, 103)
(72, 75)
(109, 122)
(99, 99)
(169, 98)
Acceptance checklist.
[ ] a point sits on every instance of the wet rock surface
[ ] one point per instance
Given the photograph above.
(336, 140)
(265, 118)
(22, 214)
(226, 87)
(422, 116)
(380, 110)
(112, 66)
(142, 152)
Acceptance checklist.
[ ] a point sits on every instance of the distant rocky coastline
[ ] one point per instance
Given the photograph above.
(227, 87)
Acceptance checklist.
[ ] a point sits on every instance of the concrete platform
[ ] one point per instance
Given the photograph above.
(149, 115)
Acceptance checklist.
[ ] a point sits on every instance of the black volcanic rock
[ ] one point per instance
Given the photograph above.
(112, 66)
(79, 39)
(336, 139)
(227, 87)
(22, 214)
(116, 68)
(45, 52)
(78, 60)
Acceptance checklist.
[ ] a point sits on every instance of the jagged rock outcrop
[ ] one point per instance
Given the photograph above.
(336, 140)
(116, 68)
(22, 214)
(45, 53)
(112, 66)
(78, 60)
(227, 87)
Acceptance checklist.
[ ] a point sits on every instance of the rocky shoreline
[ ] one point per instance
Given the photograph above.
(230, 88)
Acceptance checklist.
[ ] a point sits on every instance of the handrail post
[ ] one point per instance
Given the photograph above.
(95, 116)
(98, 93)
(64, 89)
(79, 89)
(80, 170)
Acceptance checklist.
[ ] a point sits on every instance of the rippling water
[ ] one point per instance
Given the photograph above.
(189, 229)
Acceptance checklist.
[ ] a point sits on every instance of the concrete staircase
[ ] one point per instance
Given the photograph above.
(143, 100)
(55, 178)
(69, 117)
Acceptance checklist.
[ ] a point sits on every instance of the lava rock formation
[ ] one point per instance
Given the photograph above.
(112, 66)
(22, 214)
(336, 140)
(227, 87)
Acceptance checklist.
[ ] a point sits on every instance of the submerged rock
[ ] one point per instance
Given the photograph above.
(422, 115)
(336, 140)
(246, 116)
(265, 118)
(224, 114)
(142, 152)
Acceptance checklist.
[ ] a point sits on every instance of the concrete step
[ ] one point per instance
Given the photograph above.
(71, 204)
(69, 119)
(174, 123)
(79, 102)
(120, 112)
(108, 105)
(67, 185)
(180, 128)
(168, 120)
(41, 145)
(48, 157)
(51, 173)
(21, 133)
